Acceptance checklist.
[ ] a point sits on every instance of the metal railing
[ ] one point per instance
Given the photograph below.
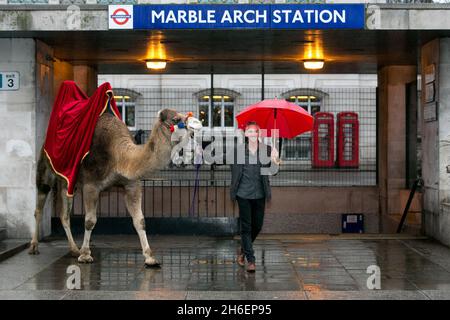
(170, 192)
(297, 168)
(162, 198)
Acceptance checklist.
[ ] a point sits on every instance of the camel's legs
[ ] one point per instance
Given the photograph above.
(133, 202)
(66, 209)
(90, 196)
(41, 197)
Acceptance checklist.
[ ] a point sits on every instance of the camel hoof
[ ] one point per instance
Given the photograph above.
(85, 258)
(152, 263)
(33, 249)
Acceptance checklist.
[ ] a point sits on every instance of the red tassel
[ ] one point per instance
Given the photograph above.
(172, 128)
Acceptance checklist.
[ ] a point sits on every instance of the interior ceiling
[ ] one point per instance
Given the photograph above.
(236, 51)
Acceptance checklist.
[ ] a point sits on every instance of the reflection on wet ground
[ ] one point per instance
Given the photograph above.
(201, 267)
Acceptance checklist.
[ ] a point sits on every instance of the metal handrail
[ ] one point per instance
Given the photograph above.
(414, 188)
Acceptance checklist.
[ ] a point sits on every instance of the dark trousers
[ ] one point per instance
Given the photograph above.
(251, 216)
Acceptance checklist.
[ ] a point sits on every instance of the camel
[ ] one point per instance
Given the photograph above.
(114, 160)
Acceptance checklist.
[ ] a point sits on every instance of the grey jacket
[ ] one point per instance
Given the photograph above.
(236, 174)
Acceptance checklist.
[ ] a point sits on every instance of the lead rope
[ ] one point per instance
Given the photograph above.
(196, 187)
(197, 172)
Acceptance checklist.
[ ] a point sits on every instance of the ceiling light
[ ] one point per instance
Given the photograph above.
(156, 64)
(313, 64)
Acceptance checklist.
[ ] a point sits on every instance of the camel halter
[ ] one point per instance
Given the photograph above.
(180, 124)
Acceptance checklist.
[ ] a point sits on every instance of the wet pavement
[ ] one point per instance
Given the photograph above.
(204, 268)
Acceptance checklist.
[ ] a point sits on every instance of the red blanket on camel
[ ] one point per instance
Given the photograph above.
(71, 127)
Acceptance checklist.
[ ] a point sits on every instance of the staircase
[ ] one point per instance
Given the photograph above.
(10, 247)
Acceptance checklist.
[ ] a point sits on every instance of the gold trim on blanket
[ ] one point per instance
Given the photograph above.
(60, 174)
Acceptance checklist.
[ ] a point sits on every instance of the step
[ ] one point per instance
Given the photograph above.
(10, 247)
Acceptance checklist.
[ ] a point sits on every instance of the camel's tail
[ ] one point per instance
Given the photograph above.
(45, 177)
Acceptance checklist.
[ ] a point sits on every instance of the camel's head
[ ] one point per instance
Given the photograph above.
(180, 125)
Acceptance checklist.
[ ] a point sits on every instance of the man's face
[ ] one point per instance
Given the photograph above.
(252, 132)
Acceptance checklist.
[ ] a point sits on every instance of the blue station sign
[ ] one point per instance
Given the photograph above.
(239, 16)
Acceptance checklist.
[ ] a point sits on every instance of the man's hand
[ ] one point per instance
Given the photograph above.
(275, 156)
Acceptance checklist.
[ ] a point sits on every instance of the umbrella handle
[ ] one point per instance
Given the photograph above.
(276, 159)
(274, 136)
(274, 127)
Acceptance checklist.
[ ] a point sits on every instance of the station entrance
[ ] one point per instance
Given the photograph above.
(361, 158)
(326, 174)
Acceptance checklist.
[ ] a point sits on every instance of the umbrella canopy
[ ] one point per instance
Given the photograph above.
(290, 119)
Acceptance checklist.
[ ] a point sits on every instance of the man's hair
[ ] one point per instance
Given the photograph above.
(251, 123)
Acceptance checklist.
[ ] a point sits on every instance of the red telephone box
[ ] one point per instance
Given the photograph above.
(348, 140)
(323, 140)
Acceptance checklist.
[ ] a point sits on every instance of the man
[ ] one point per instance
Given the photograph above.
(250, 187)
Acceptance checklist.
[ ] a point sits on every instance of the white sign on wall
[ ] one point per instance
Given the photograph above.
(120, 17)
(9, 81)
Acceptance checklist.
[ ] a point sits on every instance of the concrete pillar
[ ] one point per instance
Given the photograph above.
(392, 82)
(436, 139)
(18, 138)
(24, 118)
(44, 103)
(86, 78)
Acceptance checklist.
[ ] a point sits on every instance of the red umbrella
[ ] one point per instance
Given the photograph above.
(290, 119)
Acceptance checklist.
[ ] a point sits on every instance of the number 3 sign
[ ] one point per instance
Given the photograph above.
(9, 81)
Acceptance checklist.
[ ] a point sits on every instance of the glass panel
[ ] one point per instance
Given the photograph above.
(315, 109)
(304, 106)
(203, 114)
(291, 99)
(348, 141)
(130, 118)
(302, 98)
(229, 115)
(119, 107)
(324, 137)
(216, 114)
